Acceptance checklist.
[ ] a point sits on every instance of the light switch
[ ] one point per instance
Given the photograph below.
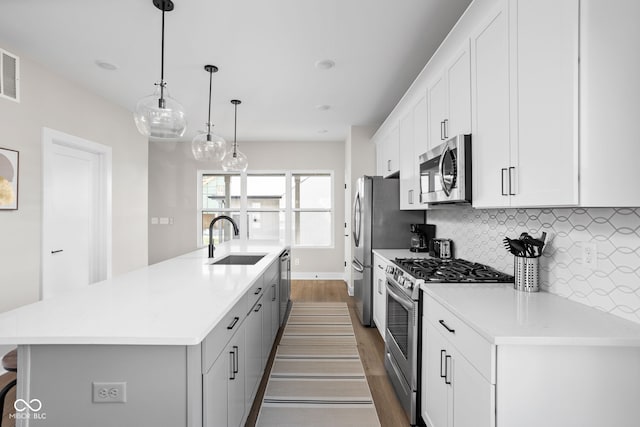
(154, 220)
(164, 220)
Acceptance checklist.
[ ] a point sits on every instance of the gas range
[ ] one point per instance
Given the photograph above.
(409, 273)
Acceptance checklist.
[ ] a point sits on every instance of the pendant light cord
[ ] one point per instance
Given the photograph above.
(161, 101)
(235, 131)
(209, 120)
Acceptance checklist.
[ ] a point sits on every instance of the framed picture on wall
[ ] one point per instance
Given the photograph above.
(8, 179)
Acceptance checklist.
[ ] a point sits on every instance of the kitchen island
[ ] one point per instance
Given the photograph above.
(179, 343)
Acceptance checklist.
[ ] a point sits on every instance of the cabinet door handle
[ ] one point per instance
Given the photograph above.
(447, 379)
(389, 165)
(232, 362)
(236, 352)
(258, 307)
(410, 197)
(274, 293)
(511, 169)
(442, 130)
(443, 353)
(502, 172)
(257, 291)
(453, 331)
(446, 128)
(233, 323)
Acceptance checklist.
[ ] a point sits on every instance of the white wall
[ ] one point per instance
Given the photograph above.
(47, 100)
(172, 193)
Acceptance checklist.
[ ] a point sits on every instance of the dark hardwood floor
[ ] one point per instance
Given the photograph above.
(370, 346)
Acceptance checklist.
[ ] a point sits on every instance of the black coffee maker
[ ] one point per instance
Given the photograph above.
(422, 234)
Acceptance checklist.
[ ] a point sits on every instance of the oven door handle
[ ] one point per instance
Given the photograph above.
(402, 301)
(358, 266)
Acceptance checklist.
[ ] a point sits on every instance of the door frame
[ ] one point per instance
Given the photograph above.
(103, 242)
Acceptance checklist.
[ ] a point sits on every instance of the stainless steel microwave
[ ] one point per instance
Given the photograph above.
(445, 172)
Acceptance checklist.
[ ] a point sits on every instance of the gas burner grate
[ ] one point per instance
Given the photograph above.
(453, 270)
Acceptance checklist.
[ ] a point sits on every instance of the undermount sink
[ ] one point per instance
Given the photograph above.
(239, 260)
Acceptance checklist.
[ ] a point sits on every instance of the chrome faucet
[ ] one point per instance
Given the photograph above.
(216, 219)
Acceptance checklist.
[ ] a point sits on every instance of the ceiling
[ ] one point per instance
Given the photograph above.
(266, 52)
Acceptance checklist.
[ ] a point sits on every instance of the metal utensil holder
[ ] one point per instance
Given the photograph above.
(526, 274)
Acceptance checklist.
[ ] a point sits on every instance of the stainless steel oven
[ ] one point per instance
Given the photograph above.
(445, 172)
(402, 341)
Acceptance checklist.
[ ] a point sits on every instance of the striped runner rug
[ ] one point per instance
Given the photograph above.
(317, 377)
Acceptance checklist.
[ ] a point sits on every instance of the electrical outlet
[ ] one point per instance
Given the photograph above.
(296, 261)
(109, 392)
(589, 255)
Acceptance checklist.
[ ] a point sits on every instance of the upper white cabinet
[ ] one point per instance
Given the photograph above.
(449, 94)
(490, 142)
(609, 100)
(413, 142)
(388, 153)
(525, 105)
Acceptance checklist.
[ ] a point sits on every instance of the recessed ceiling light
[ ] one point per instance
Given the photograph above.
(105, 65)
(323, 107)
(323, 131)
(325, 64)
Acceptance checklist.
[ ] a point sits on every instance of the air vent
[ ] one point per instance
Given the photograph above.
(9, 76)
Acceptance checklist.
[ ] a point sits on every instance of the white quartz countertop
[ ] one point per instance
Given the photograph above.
(175, 302)
(505, 316)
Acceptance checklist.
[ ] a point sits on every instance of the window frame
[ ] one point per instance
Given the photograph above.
(288, 210)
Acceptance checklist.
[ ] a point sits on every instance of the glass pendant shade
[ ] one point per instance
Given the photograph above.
(207, 146)
(154, 121)
(235, 161)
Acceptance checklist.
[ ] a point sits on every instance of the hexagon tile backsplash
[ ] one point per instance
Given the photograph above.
(612, 285)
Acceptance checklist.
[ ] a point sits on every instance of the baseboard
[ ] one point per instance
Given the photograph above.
(317, 276)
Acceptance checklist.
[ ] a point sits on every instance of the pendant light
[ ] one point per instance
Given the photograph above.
(205, 145)
(235, 160)
(158, 115)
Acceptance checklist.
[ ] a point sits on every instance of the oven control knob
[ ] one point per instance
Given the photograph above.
(401, 280)
(390, 269)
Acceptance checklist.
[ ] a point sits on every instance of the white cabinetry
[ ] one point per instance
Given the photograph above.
(455, 393)
(379, 293)
(234, 354)
(610, 90)
(254, 341)
(224, 385)
(525, 105)
(450, 100)
(388, 153)
(413, 142)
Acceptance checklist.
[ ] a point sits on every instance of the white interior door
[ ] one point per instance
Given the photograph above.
(76, 215)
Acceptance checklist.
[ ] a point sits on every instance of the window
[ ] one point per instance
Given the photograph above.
(266, 206)
(220, 196)
(294, 207)
(312, 201)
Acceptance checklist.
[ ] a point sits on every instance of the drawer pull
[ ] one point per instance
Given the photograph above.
(232, 362)
(258, 307)
(257, 291)
(236, 364)
(453, 331)
(447, 380)
(443, 353)
(233, 323)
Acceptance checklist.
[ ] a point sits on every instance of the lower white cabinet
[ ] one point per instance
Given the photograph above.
(531, 381)
(379, 293)
(254, 341)
(247, 334)
(454, 392)
(224, 386)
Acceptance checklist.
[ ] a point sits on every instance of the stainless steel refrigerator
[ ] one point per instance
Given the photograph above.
(378, 223)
